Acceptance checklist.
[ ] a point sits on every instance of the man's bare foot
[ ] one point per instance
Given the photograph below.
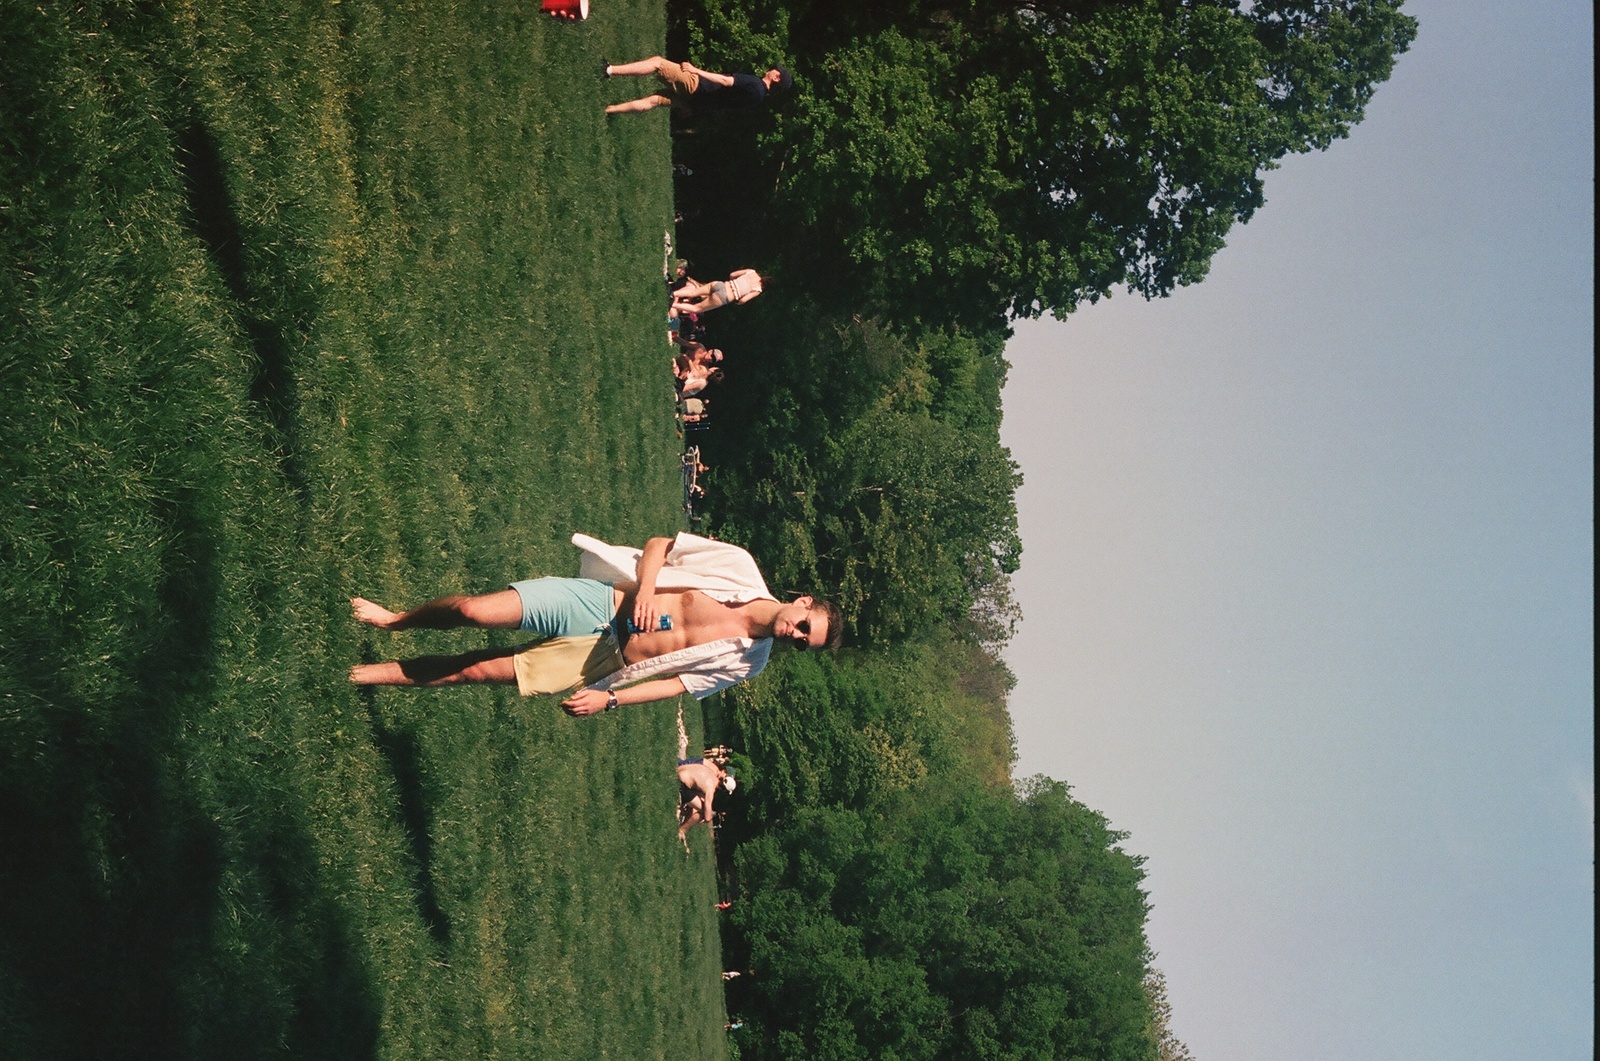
(372, 614)
(390, 673)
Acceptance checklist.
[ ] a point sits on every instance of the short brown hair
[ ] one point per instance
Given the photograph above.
(835, 623)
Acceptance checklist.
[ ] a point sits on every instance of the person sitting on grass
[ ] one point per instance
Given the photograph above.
(698, 781)
(694, 358)
(687, 85)
(683, 615)
(697, 379)
(680, 275)
(692, 469)
(741, 286)
(694, 352)
(686, 328)
(694, 410)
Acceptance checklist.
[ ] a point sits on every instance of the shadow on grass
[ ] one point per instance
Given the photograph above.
(333, 1010)
(108, 880)
(404, 758)
(96, 939)
(120, 891)
(272, 389)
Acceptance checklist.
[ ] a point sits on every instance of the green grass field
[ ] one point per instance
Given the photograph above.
(303, 300)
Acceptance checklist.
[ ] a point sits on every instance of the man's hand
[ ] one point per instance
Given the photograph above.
(651, 558)
(587, 702)
(590, 701)
(645, 615)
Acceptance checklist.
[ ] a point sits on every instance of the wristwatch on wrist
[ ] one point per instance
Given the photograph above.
(611, 701)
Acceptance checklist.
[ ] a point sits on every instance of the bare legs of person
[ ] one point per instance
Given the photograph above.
(638, 69)
(696, 305)
(646, 103)
(492, 611)
(690, 814)
(641, 68)
(492, 665)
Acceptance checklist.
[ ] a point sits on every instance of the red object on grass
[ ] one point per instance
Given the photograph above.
(576, 10)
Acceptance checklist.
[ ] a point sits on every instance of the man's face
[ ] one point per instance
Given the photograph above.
(801, 625)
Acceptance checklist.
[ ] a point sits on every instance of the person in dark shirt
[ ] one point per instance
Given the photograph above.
(684, 84)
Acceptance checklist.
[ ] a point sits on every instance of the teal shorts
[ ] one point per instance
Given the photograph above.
(565, 607)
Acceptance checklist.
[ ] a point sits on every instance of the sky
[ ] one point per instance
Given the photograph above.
(1308, 574)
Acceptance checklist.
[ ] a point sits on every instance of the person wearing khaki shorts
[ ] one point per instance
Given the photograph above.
(682, 615)
(686, 85)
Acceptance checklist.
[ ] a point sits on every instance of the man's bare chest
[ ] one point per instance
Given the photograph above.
(696, 620)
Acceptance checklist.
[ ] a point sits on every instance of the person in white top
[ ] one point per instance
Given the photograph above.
(742, 285)
(682, 615)
(696, 379)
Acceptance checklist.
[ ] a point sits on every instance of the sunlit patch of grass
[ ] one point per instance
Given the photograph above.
(301, 301)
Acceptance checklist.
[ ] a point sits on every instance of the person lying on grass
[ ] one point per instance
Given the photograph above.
(683, 615)
(698, 780)
(742, 285)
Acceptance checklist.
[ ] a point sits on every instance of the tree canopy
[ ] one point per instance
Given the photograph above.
(969, 159)
(943, 168)
(868, 464)
(969, 923)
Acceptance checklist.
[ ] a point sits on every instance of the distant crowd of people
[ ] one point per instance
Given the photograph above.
(687, 88)
(695, 364)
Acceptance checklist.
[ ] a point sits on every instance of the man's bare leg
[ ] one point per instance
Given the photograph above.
(634, 106)
(491, 611)
(491, 665)
(638, 69)
(696, 813)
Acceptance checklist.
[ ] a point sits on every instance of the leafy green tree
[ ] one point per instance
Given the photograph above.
(1168, 1046)
(857, 730)
(963, 160)
(871, 465)
(961, 922)
(921, 513)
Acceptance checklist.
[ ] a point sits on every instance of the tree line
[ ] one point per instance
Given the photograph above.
(943, 168)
